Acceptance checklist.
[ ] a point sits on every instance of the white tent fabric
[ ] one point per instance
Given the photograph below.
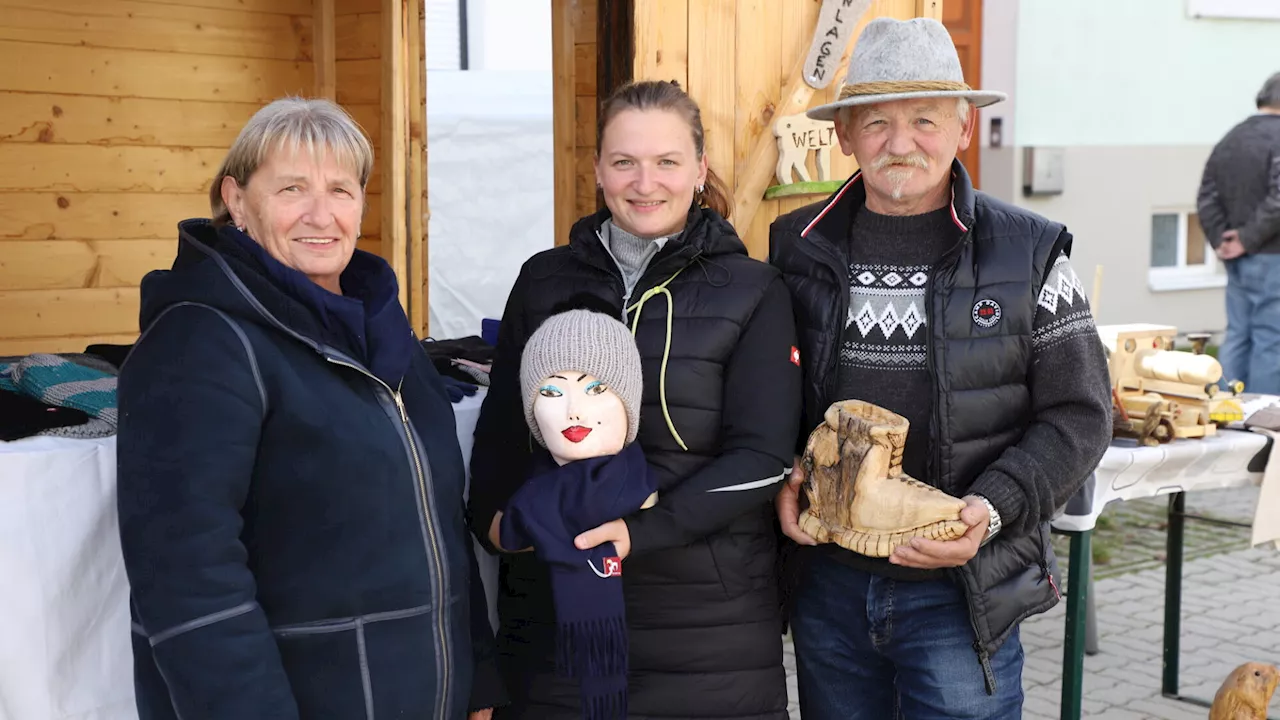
(489, 190)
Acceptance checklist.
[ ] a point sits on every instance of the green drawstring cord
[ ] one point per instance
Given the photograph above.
(666, 350)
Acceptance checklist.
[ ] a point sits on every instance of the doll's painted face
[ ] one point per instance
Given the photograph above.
(579, 417)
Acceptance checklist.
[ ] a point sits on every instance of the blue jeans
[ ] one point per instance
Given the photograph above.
(870, 648)
(1251, 350)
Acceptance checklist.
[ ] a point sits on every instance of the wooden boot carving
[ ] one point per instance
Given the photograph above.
(859, 498)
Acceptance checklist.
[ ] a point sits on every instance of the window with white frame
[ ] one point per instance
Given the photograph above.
(1180, 257)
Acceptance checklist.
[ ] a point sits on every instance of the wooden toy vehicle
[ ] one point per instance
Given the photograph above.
(1160, 393)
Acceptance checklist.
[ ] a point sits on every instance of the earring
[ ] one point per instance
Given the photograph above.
(700, 188)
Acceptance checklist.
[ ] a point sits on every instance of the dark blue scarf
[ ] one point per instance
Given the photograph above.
(366, 321)
(553, 507)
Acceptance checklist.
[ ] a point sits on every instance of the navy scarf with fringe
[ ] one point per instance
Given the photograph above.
(553, 507)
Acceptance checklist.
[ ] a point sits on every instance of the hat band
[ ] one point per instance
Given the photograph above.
(896, 87)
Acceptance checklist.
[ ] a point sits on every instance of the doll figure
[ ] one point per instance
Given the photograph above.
(581, 381)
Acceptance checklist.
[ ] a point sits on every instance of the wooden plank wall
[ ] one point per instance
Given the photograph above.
(357, 31)
(386, 94)
(734, 57)
(574, 99)
(116, 115)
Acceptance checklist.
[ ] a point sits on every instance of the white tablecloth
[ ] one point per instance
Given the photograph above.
(1129, 471)
(64, 618)
(65, 650)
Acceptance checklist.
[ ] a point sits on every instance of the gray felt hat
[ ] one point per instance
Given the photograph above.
(900, 60)
(589, 342)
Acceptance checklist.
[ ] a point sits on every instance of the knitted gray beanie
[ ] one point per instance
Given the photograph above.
(589, 342)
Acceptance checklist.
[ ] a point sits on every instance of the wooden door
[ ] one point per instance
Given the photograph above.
(963, 19)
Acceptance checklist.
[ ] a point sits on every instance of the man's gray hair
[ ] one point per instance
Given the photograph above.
(963, 108)
(1269, 95)
(317, 126)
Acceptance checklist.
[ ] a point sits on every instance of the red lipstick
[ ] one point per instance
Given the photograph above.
(576, 434)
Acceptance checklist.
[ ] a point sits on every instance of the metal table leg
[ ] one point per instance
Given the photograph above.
(1090, 618)
(1077, 605)
(1173, 593)
(1176, 533)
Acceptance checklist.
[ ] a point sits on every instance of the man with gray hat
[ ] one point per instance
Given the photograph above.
(915, 292)
(1239, 209)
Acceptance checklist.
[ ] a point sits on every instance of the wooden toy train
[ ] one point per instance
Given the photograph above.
(1159, 393)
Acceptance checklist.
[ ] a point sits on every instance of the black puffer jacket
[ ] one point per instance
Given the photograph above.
(701, 596)
(983, 404)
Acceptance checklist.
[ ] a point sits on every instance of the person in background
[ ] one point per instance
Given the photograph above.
(1239, 209)
(919, 294)
(290, 483)
(716, 337)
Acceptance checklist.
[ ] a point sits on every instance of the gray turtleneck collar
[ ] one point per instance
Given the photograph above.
(631, 254)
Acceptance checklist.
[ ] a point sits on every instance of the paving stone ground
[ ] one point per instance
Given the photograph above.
(1231, 614)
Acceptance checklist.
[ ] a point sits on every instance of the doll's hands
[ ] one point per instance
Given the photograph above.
(614, 531)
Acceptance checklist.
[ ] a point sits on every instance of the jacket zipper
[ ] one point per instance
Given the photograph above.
(841, 273)
(432, 547)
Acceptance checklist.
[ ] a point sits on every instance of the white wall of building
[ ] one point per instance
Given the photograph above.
(1135, 93)
(1137, 72)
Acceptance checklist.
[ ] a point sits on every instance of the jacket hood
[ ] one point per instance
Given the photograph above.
(213, 268)
(705, 232)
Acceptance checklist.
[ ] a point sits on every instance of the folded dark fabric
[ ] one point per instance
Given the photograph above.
(442, 353)
(22, 416)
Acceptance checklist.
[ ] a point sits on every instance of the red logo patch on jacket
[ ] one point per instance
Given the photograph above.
(795, 356)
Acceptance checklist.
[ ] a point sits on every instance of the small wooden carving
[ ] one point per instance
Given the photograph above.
(859, 498)
(1246, 693)
(798, 136)
(1149, 378)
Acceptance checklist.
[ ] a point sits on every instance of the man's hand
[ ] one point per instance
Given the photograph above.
(485, 714)
(1230, 248)
(933, 554)
(788, 506)
(614, 531)
(495, 533)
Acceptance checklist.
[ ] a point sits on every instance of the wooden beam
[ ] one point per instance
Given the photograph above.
(929, 9)
(564, 106)
(323, 52)
(417, 170)
(662, 40)
(394, 141)
(615, 46)
(713, 79)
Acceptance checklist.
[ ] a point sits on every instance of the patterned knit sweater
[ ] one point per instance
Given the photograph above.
(882, 354)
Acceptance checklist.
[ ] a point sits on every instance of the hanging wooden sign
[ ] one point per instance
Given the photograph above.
(836, 22)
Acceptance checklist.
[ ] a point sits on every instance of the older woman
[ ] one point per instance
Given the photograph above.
(290, 483)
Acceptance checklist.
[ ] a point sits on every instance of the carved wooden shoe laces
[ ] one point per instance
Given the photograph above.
(859, 498)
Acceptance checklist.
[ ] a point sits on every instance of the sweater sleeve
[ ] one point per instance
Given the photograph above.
(1070, 426)
(501, 455)
(758, 429)
(191, 410)
(1265, 223)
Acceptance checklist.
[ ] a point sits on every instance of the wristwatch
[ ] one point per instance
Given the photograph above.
(993, 524)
